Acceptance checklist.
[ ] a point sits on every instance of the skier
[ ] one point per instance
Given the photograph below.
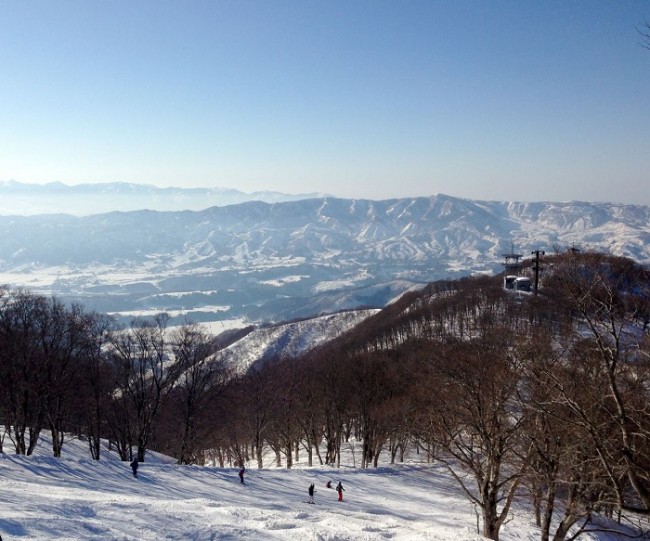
(312, 489)
(329, 484)
(340, 490)
(241, 474)
(134, 467)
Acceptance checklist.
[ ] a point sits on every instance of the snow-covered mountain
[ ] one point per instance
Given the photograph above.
(278, 261)
(288, 339)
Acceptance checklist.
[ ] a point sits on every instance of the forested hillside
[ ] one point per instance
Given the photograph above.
(520, 395)
(536, 396)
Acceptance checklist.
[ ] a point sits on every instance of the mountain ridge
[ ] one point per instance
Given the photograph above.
(24, 199)
(281, 260)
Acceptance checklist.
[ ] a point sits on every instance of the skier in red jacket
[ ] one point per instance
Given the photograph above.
(340, 490)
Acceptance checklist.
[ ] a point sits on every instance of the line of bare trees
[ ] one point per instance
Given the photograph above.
(72, 372)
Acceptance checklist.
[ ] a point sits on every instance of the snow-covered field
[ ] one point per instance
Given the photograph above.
(75, 498)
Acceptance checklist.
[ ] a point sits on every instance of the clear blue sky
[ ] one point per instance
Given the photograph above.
(483, 99)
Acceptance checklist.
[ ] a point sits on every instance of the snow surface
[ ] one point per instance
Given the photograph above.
(76, 498)
(289, 339)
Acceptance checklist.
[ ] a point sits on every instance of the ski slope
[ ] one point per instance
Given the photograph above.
(76, 498)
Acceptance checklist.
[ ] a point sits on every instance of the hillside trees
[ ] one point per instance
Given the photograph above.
(145, 374)
(42, 346)
(559, 461)
(77, 373)
(480, 348)
(329, 378)
(20, 313)
(184, 427)
(379, 381)
(94, 382)
(62, 337)
(477, 423)
(309, 408)
(467, 392)
(284, 429)
(242, 418)
(605, 294)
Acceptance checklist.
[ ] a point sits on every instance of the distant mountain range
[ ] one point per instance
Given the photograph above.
(258, 261)
(17, 198)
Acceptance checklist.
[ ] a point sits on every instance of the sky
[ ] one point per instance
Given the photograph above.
(496, 100)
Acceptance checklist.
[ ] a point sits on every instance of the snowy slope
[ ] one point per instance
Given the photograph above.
(74, 498)
(289, 339)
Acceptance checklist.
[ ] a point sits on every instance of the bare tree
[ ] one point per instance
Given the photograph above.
(331, 377)
(146, 373)
(478, 425)
(62, 338)
(243, 416)
(310, 417)
(604, 294)
(20, 363)
(96, 381)
(201, 373)
(563, 467)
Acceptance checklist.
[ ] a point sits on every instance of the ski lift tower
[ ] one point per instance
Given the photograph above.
(512, 266)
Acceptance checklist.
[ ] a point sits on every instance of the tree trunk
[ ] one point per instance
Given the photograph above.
(548, 511)
(490, 523)
(19, 438)
(563, 528)
(94, 444)
(34, 434)
(258, 456)
(57, 441)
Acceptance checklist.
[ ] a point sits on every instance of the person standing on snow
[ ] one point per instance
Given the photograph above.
(134, 467)
(340, 490)
(312, 489)
(241, 474)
